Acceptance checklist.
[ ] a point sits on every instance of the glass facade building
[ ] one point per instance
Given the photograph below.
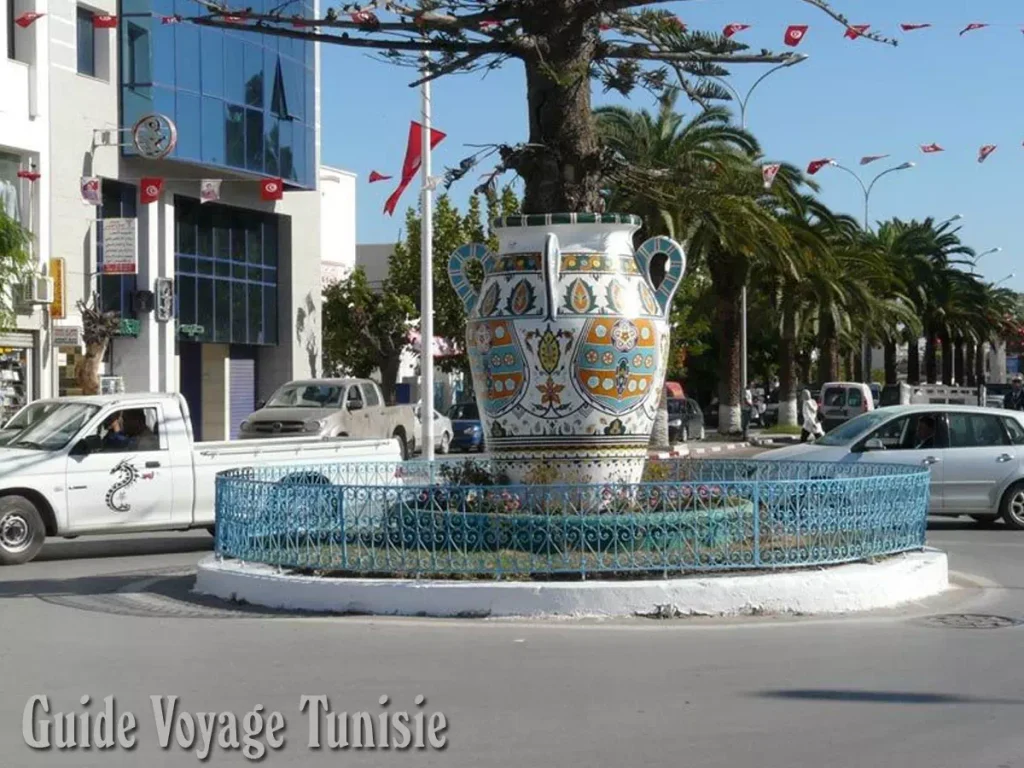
(240, 100)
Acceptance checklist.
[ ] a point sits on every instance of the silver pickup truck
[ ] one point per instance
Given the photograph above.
(332, 408)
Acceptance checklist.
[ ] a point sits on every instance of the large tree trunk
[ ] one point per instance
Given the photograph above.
(659, 435)
(913, 362)
(857, 366)
(788, 415)
(889, 353)
(970, 374)
(727, 328)
(931, 358)
(828, 360)
(947, 357)
(979, 363)
(562, 170)
(959, 374)
(87, 373)
(389, 367)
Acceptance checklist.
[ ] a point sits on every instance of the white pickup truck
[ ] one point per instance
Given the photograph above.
(127, 463)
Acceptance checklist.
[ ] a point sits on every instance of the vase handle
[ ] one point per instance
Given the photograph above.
(551, 256)
(457, 262)
(675, 267)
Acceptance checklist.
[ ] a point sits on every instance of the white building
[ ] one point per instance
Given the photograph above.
(337, 223)
(245, 270)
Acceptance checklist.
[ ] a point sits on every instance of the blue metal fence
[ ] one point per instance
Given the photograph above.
(447, 519)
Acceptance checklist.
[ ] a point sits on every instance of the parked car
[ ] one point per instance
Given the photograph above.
(127, 463)
(467, 428)
(442, 429)
(975, 455)
(842, 400)
(332, 408)
(685, 420)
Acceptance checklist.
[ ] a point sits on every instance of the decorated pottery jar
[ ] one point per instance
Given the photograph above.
(568, 339)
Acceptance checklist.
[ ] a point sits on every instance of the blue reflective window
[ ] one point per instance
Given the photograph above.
(222, 311)
(185, 286)
(270, 314)
(163, 53)
(234, 70)
(269, 65)
(135, 6)
(189, 124)
(310, 55)
(136, 56)
(254, 139)
(298, 152)
(253, 73)
(234, 133)
(285, 156)
(239, 314)
(212, 61)
(204, 306)
(213, 131)
(271, 147)
(135, 102)
(186, 57)
(310, 97)
(159, 7)
(86, 38)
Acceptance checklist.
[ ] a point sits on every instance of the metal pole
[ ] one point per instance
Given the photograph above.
(427, 287)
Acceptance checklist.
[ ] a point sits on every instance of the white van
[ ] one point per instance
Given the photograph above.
(840, 401)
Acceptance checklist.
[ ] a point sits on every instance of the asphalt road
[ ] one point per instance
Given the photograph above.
(115, 617)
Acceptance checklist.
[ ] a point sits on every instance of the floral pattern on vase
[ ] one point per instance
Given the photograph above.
(568, 342)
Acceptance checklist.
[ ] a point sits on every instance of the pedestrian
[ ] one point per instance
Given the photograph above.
(811, 426)
(1014, 400)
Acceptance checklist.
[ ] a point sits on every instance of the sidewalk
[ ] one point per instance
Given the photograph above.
(702, 448)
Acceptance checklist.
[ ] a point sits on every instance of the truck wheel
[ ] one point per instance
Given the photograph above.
(403, 446)
(22, 531)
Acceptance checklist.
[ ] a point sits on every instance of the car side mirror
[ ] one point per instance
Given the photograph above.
(874, 444)
(355, 405)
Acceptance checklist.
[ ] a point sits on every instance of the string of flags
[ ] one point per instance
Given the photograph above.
(152, 187)
(411, 164)
(795, 33)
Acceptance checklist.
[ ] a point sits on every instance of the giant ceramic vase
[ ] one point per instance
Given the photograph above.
(568, 339)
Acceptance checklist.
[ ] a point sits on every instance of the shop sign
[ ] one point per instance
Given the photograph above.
(67, 336)
(191, 330)
(119, 249)
(164, 299)
(57, 275)
(128, 327)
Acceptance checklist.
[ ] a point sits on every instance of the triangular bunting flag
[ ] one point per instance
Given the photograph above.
(413, 159)
(90, 186)
(816, 165)
(868, 159)
(856, 30)
(985, 151)
(769, 172)
(732, 29)
(209, 190)
(972, 27)
(930, 149)
(26, 19)
(375, 177)
(795, 34)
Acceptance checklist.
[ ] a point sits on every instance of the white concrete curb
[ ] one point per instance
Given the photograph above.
(685, 450)
(839, 589)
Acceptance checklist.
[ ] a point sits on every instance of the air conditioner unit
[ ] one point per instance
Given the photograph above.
(38, 290)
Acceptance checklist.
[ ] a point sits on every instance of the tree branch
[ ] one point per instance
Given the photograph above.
(823, 6)
(642, 52)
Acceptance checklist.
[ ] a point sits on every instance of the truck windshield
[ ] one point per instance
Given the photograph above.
(306, 396)
(30, 414)
(56, 428)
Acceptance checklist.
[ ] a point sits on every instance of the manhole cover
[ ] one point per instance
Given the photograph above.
(972, 621)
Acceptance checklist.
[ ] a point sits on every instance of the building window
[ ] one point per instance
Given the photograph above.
(225, 274)
(10, 30)
(86, 43)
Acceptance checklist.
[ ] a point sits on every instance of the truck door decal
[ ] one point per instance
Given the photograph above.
(129, 476)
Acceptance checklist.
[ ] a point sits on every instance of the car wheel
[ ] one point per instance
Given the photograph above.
(22, 531)
(984, 519)
(1012, 508)
(446, 442)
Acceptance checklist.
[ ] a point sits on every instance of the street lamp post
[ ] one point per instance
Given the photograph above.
(743, 101)
(867, 188)
(985, 253)
(1008, 277)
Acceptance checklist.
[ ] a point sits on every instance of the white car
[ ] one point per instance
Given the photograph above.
(442, 429)
(975, 455)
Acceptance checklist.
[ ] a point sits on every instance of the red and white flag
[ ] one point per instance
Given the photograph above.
(769, 172)
(868, 159)
(489, 23)
(972, 27)
(209, 190)
(930, 149)
(985, 151)
(26, 19)
(795, 34)
(234, 19)
(30, 175)
(732, 29)
(856, 30)
(150, 189)
(90, 187)
(412, 162)
(912, 27)
(364, 17)
(170, 19)
(375, 177)
(816, 165)
(271, 189)
(104, 21)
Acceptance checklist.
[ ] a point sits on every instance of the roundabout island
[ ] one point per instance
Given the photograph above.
(458, 539)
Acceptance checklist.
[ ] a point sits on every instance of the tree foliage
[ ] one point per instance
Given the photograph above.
(15, 264)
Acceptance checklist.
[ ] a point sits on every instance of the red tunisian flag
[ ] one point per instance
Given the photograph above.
(856, 30)
(769, 172)
(912, 27)
(271, 189)
(374, 177)
(413, 160)
(985, 151)
(795, 34)
(816, 165)
(26, 19)
(732, 29)
(930, 149)
(150, 189)
(868, 159)
(104, 21)
(972, 27)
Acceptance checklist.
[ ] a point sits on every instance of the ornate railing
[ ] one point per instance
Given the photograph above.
(444, 519)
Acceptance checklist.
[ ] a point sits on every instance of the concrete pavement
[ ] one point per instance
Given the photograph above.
(114, 616)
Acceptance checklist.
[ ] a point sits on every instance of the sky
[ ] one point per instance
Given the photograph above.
(849, 99)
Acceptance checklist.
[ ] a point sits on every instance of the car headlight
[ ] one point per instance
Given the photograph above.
(314, 425)
(470, 430)
(245, 426)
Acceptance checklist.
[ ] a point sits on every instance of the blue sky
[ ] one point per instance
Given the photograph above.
(851, 98)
